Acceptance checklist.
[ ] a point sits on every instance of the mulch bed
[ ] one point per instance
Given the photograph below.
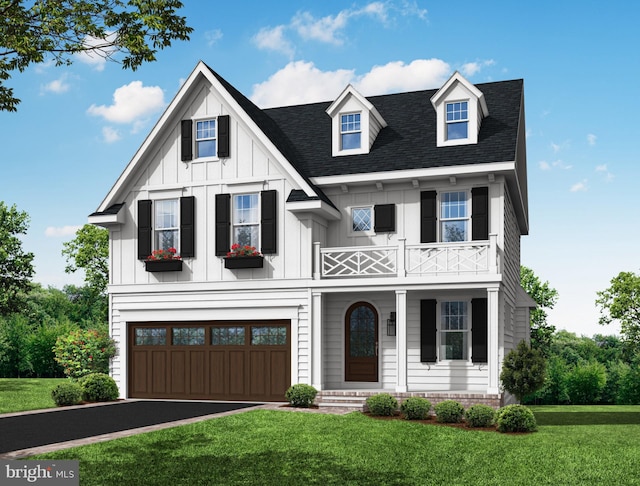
(432, 421)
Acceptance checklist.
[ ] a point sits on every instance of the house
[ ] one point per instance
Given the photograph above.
(389, 236)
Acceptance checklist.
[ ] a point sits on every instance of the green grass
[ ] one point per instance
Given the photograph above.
(20, 394)
(288, 448)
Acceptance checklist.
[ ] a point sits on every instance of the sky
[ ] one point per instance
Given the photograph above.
(78, 126)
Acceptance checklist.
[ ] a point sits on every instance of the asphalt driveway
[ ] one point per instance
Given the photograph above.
(32, 430)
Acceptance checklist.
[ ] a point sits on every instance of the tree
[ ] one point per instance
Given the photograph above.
(621, 302)
(523, 370)
(546, 297)
(89, 250)
(16, 268)
(34, 31)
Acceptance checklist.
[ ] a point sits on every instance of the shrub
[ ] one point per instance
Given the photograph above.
(516, 418)
(523, 370)
(301, 395)
(586, 382)
(629, 391)
(449, 412)
(98, 387)
(84, 351)
(382, 404)
(480, 416)
(68, 393)
(415, 408)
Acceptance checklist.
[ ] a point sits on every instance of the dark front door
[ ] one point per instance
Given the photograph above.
(361, 343)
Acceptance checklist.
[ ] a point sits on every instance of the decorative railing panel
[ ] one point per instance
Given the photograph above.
(447, 259)
(359, 262)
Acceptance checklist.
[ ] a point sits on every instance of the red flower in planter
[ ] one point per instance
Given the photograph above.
(168, 254)
(238, 251)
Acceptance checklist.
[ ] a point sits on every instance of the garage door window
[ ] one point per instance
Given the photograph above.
(151, 336)
(227, 336)
(268, 336)
(188, 336)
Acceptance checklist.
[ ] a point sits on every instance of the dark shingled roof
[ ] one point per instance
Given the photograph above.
(302, 133)
(113, 209)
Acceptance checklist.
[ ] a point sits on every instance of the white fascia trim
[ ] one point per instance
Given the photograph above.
(314, 206)
(108, 220)
(456, 77)
(414, 174)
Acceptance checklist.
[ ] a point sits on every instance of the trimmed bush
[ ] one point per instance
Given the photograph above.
(480, 416)
(449, 412)
(382, 404)
(415, 408)
(516, 418)
(98, 387)
(68, 393)
(301, 395)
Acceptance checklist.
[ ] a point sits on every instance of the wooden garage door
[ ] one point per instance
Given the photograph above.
(210, 360)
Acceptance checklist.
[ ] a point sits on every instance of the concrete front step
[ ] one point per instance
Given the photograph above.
(343, 401)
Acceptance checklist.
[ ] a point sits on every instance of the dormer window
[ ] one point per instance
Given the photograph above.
(350, 131)
(457, 120)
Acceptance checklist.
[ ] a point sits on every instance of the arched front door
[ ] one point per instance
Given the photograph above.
(361, 343)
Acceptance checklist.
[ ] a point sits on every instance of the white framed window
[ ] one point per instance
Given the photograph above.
(457, 120)
(454, 330)
(454, 216)
(246, 220)
(206, 138)
(361, 219)
(166, 226)
(350, 131)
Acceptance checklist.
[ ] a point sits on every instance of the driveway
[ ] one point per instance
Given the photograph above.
(41, 431)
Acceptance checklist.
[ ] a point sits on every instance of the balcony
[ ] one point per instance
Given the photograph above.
(433, 259)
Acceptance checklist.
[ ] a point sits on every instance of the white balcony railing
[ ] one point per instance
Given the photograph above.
(472, 257)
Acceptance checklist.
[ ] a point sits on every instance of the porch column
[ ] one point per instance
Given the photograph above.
(401, 341)
(315, 345)
(493, 340)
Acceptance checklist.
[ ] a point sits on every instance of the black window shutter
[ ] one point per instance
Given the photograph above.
(384, 216)
(223, 224)
(223, 136)
(479, 332)
(428, 331)
(269, 222)
(428, 216)
(480, 213)
(186, 140)
(187, 227)
(144, 229)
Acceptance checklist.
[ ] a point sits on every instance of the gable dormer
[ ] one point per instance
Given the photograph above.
(355, 123)
(460, 108)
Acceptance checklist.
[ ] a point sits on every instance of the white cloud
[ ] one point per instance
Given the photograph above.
(110, 134)
(580, 186)
(284, 87)
(99, 53)
(411, 9)
(60, 231)
(213, 36)
(591, 139)
(557, 147)
(130, 103)
(471, 68)
(544, 165)
(327, 29)
(57, 86)
(273, 40)
(397, 76)
(604, 170)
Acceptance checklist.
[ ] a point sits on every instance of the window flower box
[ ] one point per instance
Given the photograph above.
(233, 263)
(163, 265)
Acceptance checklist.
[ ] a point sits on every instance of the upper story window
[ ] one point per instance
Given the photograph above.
(206, 138)
(454, 216)
(166, 224)
(246, 220)
(457, 120)
(361, 219)
(350, 131)
(454, 330)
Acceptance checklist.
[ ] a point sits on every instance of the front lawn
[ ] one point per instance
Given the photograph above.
(281, 448)
(20, 394)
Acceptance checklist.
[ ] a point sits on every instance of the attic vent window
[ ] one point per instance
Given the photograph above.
(206, 138)
(457, 120)
(350, 131)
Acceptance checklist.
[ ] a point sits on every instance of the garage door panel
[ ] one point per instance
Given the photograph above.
(231, 360)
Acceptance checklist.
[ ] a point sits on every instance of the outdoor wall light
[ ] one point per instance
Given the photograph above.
(391, 324)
